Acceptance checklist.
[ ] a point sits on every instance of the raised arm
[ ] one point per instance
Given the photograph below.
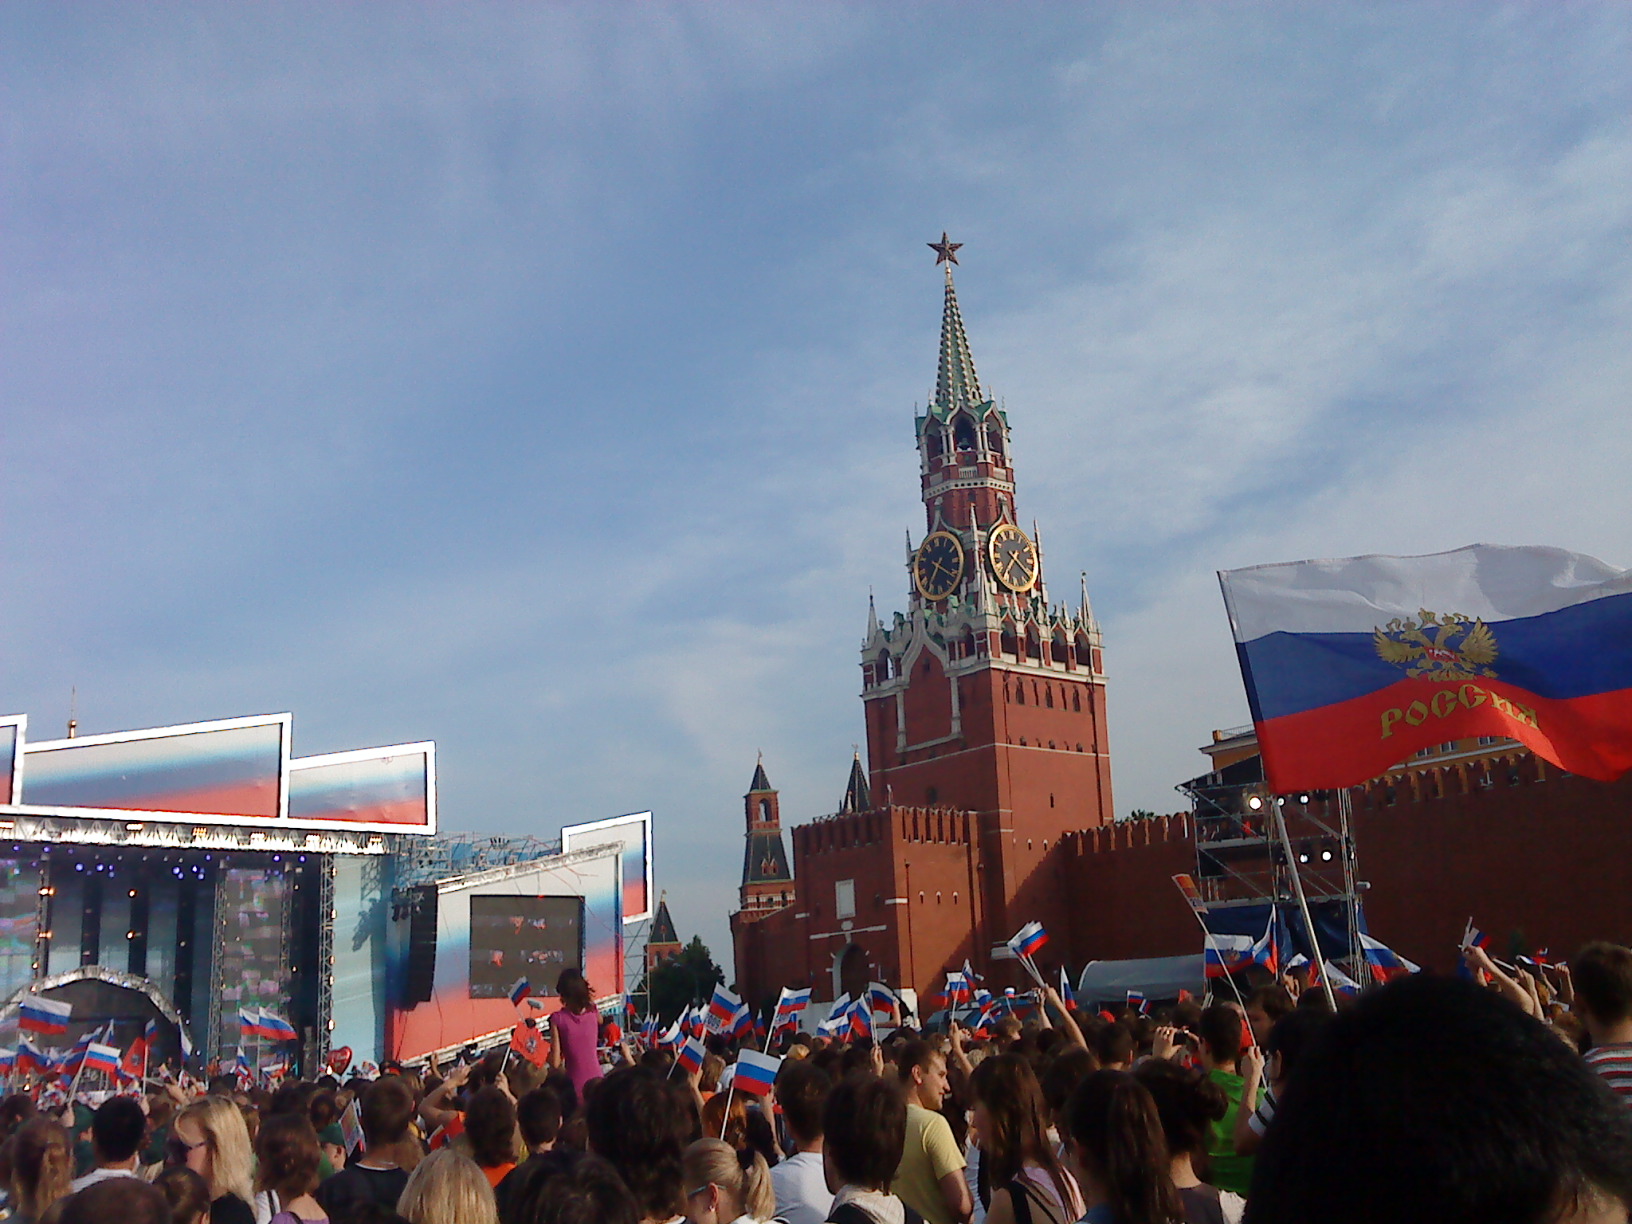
(1068, 1022)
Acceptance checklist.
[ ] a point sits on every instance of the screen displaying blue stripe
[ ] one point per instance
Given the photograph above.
(125, 774)
(1574, 652)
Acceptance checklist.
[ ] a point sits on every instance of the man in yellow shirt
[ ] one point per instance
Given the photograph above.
(930, 1177)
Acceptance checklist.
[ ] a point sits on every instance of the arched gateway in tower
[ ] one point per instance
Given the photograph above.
(986, 740)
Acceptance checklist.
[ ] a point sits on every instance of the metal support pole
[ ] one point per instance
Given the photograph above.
(1303, 901)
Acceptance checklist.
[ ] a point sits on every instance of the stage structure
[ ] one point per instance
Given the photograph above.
(1242, 865)
(184, 874)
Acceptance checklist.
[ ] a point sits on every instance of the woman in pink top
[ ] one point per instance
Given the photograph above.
(574, 1031)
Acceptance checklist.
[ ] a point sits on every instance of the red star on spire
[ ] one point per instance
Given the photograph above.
(945, 252)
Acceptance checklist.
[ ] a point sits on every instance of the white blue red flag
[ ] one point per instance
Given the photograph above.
(1067, 995)
(1028, 940)
(722, 1009)
(275, 1028)
(884, 1000)
(957, 988)
(47, 1017)
(1266, 951)
(1136, 1001)
(690, 1055)
(1352, 665)
(756, 1072)
(103, 1058)
(741, 1023)
(1473, 937)
(789, 1004)
(1385, 963)
(1227, 953)
(30, 1060)
(520, 991)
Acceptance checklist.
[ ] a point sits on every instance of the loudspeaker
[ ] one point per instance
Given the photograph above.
(420, 980)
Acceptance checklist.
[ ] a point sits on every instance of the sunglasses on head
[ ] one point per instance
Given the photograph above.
(176, 1149)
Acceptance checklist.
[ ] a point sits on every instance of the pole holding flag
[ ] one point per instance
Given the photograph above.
(1198, 907)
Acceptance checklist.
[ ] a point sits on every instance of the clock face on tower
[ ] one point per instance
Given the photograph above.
(1013, 557)
(937, 566)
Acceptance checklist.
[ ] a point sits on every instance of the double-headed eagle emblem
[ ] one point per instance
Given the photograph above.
(1451, 648)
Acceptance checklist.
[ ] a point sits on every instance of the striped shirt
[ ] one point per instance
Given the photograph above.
(1614, 1063)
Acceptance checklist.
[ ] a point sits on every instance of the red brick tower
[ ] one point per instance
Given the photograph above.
(983, 695)
(767, 884)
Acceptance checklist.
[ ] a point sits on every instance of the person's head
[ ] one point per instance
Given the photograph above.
(1456, 1104)
(865, 1129)
(386, 1112)
(1012, 1121)
(1116, 1045)
(1291, 1036)
(722, 1183)
(1061, 1076)
(287, 1156)
(642, 1125)
(1116, 1136)
(187, 1193)
(211, 1139)
(1602, 973)
(708, 1076)
(42, 1164)
(117, 1129)
(1008, 1031)
(1221, 1030)
(490, 1127)
(14, 1111)
(1265, 1006)
(448, 1188)
(801, 1091)
(1187, 1103)
(922, 1069)
(538, 1114)
(574, 991)
(566, 1187)
(128, 1200)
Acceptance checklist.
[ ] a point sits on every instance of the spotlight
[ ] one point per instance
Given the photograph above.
(1325, 856)
(1303, 858)
(1255, 803)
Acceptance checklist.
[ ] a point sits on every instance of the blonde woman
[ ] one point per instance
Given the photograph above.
(448, 1188)
(210, 1138)
(42, 1166)
(724, 1186)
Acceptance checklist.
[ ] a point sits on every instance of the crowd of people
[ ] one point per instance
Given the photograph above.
(1485, 1098)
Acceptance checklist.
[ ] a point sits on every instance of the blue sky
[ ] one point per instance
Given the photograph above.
(540, 380)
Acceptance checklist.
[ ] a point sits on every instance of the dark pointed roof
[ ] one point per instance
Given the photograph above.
(663, 925)
(858, 795)
(760, 782)
(766, 860)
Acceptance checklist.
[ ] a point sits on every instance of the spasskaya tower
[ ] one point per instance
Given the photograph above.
(986, 743)
(983, 694)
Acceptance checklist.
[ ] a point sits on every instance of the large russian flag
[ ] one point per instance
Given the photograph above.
(1353, 665)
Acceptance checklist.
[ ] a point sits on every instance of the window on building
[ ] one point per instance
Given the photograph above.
(844, 899)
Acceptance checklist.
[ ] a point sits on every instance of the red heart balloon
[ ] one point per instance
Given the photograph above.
(340, 1059)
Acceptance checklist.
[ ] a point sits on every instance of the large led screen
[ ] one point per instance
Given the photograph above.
(232, 769)
(633, 833)
(391, 789)
(515, 937)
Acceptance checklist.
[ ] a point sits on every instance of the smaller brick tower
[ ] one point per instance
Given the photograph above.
(767, 883)
(664, 941)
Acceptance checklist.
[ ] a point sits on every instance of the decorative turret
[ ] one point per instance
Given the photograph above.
(767, 883)
(664, 941)
(858, 796)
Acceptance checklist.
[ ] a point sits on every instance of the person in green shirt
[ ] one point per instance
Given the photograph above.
(1222, 1030)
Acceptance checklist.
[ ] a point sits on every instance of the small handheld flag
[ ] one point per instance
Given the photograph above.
(1067, 995)
(1028, 940)
(1137, 1001)
(690, 1056)
(722, 1009)
(756, 1072)
(520, 991)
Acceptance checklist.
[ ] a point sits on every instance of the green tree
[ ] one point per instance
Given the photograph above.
(681, 980)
